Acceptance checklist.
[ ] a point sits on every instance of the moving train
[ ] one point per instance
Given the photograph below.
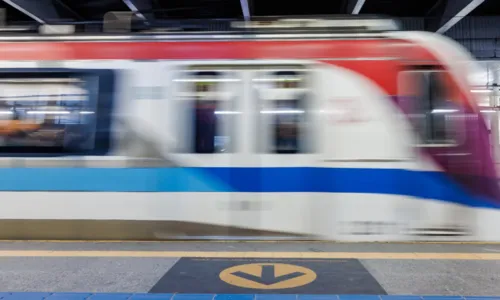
(330, 129)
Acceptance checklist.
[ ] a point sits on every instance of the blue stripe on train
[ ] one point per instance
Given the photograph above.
(430, 185)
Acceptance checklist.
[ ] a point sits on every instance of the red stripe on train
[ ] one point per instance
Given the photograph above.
(200, 50)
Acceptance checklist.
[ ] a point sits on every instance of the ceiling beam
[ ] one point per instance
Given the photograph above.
(42, 11)
(355, 6)
(245, 9)
(455, 11)
(143, 9)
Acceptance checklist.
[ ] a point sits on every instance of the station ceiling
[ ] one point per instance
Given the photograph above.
(25, 11)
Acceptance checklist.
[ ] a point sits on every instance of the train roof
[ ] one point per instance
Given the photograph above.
(119, 27)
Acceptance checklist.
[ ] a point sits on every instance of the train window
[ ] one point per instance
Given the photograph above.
(288, 118)
(210, 112)
(283, 108)
(205, 128)
(436, 114)
(54, 113)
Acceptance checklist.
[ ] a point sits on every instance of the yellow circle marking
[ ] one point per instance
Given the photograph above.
(298, 276)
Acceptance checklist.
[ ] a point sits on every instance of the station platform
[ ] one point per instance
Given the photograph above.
(248, 270)
(117, 296)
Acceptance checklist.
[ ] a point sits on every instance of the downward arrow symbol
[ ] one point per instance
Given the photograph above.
(268, 276)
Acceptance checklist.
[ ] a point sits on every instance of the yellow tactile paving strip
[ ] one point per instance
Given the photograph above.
(218, 254)
(229, 241)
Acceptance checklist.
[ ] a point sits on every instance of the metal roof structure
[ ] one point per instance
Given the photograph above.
(474, 23)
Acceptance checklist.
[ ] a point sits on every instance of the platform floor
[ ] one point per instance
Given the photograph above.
(287, 268)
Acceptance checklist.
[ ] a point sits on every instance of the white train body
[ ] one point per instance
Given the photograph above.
(356, 170)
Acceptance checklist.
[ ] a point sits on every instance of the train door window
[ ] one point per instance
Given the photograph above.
(283, 110)
(54, 112)
(435, 115)
(207, 103)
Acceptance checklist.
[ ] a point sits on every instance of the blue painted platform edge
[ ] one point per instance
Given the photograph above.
(125, 296)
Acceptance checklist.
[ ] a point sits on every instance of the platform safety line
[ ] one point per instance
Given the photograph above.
(239, 241)
(214, 254)
(229, 241)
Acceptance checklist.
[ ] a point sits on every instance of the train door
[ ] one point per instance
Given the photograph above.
(283, 145)
(441, 124)
(207, 142)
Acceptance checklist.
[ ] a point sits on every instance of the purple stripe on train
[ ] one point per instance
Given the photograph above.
(470, 162)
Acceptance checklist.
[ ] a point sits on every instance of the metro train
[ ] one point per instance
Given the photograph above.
(329, 129)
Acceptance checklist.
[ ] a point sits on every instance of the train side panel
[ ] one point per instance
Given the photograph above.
(359, 177)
